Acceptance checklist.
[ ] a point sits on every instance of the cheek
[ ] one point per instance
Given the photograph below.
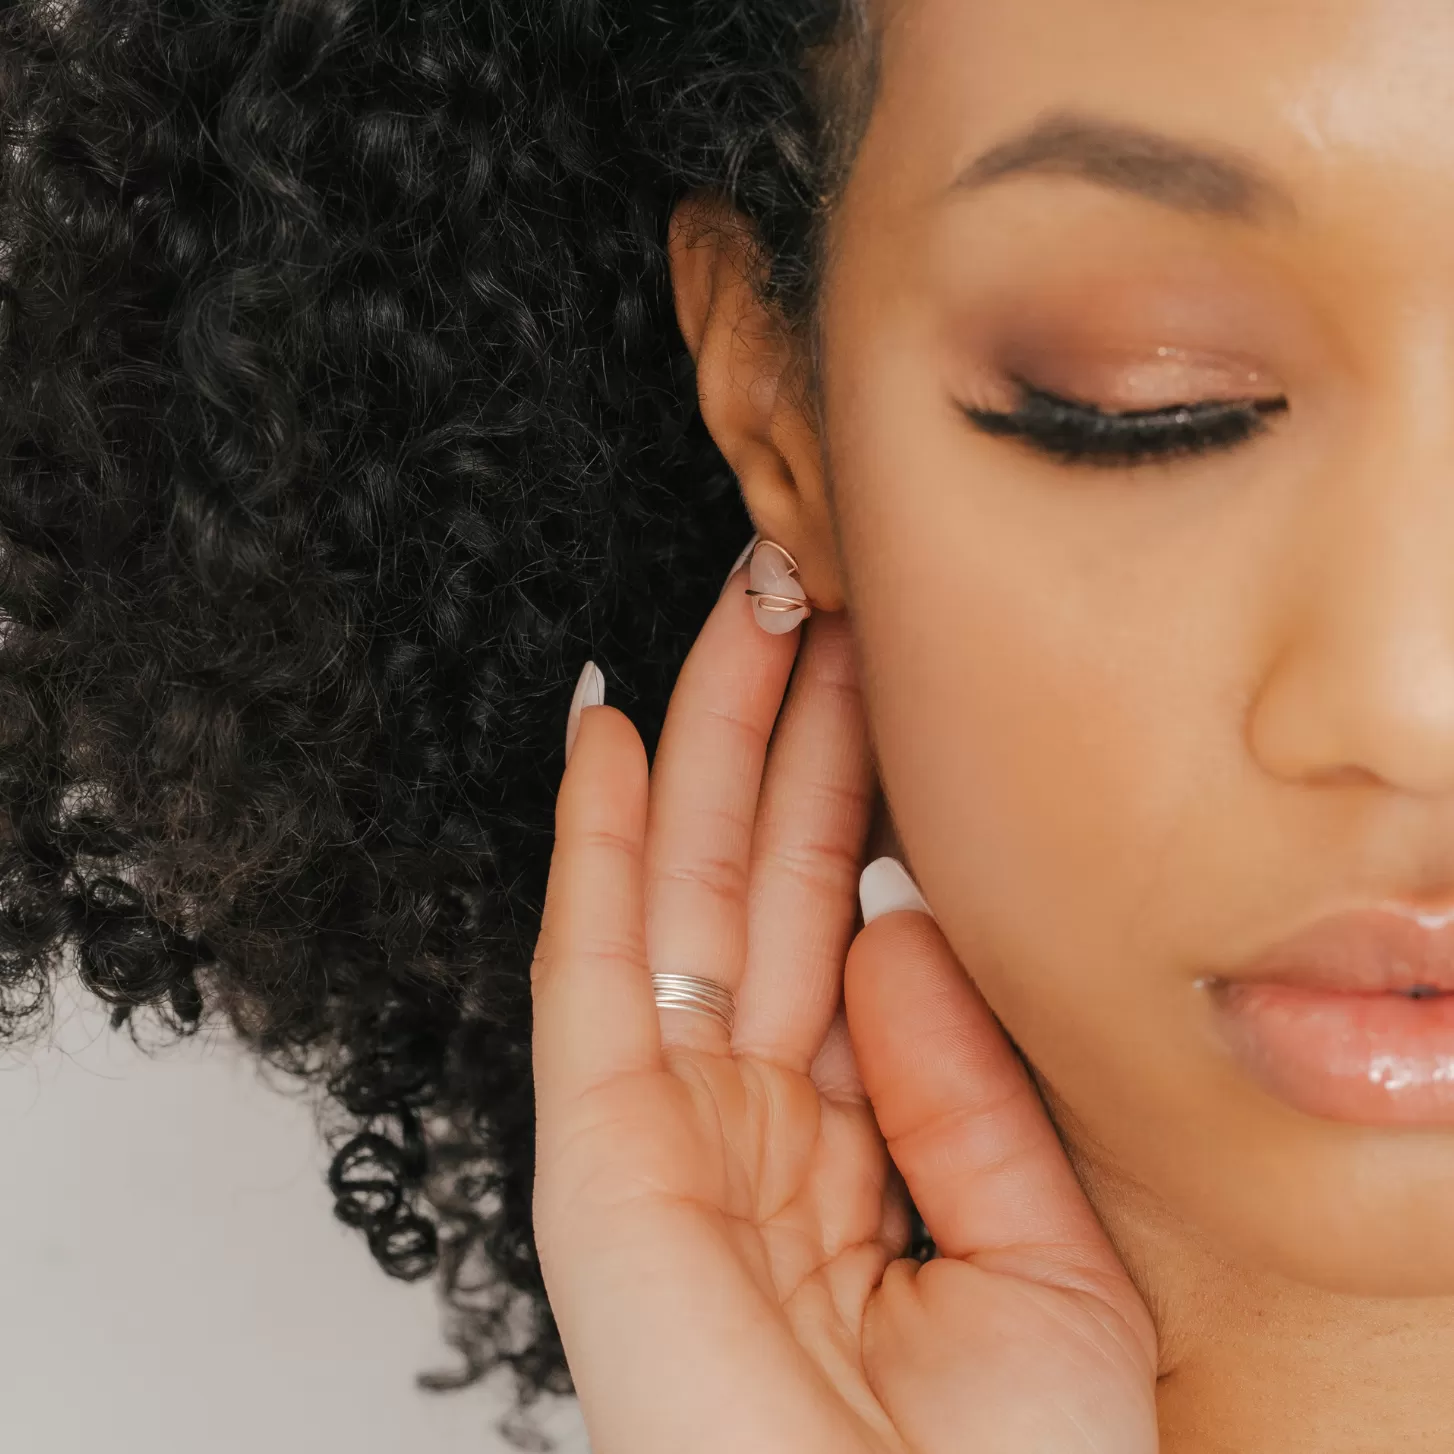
(1032, 775)
(1056, 739)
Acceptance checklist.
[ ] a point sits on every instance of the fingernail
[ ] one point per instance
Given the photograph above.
(741, 560)
(590, 692)
(884, 887)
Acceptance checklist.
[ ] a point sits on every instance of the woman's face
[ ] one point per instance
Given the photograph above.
(1141, 718)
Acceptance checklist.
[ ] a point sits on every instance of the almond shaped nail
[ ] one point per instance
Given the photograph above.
(590, 692)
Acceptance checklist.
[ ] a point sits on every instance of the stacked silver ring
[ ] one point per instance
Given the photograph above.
(688, 992)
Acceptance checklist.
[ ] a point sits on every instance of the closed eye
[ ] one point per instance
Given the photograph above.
(1074, 433)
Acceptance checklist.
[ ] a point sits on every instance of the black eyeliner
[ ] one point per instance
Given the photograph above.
(1075, 433)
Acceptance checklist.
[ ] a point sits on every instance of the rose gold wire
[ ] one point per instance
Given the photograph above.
(768, 600)
(780, 604)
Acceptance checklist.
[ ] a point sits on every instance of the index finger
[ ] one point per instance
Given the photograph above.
(807, 849)
(705, 785)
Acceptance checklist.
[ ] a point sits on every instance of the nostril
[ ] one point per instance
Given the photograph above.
(1347, 775)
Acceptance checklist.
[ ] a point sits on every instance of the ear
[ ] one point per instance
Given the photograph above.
(753, 384)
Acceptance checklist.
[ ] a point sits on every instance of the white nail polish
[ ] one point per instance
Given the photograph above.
(772, 575)
(590, 692)
(885, 887)
(741, 560)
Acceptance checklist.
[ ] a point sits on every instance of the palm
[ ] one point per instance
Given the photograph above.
(719, 1216)
(750, 1165)
(799, 1180)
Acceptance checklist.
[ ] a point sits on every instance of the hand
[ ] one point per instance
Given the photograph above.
(718, 1219)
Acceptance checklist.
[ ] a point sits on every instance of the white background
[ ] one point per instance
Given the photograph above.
(172, 1280)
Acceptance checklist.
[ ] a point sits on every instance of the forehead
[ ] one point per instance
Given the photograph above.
(1305, 84)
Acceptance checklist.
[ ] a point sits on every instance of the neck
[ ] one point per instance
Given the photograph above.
(1255, 1364)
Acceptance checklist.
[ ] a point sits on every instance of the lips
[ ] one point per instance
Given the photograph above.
(1351, 1019)
(1370, 950)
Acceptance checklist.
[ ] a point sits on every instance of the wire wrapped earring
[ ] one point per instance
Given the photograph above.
(779, 602)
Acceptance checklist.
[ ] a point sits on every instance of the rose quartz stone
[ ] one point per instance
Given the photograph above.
(771, 571)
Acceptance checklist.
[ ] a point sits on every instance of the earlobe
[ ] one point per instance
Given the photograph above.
(749, 367)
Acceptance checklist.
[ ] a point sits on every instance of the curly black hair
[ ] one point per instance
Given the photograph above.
(343, 414)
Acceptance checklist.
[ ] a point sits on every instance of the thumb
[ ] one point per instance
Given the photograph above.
(961, 1116)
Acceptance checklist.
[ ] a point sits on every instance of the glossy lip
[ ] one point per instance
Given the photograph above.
(1329, 1020)
(1385, 948)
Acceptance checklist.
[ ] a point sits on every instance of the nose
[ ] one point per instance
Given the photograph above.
(1359, 686)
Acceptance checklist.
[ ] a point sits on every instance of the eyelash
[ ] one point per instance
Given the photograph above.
(1080, 434)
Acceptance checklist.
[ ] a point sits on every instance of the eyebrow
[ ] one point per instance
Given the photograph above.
(1182, 175)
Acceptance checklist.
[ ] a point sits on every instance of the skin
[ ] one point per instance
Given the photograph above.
(1131, 725)
(719, 1218)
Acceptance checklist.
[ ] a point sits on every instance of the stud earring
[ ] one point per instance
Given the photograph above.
(779, 602)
